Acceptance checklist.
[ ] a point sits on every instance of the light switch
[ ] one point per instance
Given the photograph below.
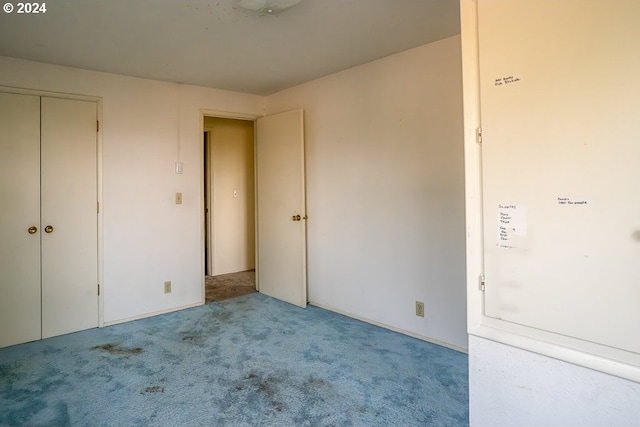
(179, 167)
(178, 198)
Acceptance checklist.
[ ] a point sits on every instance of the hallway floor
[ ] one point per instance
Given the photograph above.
(225, 286)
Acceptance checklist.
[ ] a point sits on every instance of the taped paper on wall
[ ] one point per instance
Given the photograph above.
(512, 223)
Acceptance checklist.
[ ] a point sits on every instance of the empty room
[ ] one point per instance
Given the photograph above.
(433, 200)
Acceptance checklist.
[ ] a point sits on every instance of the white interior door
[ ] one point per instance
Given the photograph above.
(69, 197)
(19, 211)
(281, 214)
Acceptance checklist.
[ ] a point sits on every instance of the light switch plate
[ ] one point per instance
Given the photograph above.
(178, 198)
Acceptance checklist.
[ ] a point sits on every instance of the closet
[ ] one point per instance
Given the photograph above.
(559, 160)
(48, 217)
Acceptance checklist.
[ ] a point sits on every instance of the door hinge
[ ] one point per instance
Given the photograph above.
(98, 289)
(479, 135)
(98, 207)
(97, 125)
(482, 282)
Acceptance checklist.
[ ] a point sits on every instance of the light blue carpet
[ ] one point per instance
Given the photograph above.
(248, 361)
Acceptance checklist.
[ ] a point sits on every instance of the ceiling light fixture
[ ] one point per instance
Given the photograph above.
(272, 7)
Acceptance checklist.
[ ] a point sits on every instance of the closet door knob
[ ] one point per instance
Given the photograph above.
(32, 230)
(48, 229)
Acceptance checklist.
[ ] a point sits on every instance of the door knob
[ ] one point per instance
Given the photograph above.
(48, 229)
(32, 230)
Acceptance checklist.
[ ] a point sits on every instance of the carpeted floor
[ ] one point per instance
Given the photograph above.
(246, 361)
(225, 286)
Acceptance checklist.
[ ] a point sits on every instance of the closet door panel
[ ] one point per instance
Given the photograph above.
(69, 196)
(560, 150)
(19, 211)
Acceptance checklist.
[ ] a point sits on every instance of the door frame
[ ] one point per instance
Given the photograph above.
(100, 248)
(203, 242)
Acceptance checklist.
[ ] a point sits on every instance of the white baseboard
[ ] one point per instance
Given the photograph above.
(391, 328)
(154, 313)
(323, 306)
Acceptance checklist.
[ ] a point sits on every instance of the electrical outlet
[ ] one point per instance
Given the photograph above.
(167, 287)
(419, 309)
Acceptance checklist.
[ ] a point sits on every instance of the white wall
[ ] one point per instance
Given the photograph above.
(511, 386)
(385, 190)
(384, 175)
(146, 127)
(232, 193)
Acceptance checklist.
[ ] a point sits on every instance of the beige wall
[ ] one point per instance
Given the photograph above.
(385, 190)
(232, 221)
(384, 174)
(526, 376)
(147, 126)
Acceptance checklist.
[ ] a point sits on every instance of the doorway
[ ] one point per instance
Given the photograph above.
(277, 143)
(229, 200)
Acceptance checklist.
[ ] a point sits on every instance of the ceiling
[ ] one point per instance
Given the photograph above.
(218, 44)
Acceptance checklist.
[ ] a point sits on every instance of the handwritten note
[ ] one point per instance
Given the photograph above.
(506, 80)
(572, 201)
(512, 223)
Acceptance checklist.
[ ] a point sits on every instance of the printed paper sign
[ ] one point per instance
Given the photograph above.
(512, 222)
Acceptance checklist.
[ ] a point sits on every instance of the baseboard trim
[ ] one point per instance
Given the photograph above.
(154, 313)
(391, 328)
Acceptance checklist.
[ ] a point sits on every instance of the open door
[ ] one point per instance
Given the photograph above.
(281, 270)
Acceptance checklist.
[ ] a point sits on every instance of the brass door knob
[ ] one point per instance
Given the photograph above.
(32, 230)
(48, 229)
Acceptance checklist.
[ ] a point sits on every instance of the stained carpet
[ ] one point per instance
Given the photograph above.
(225, 286)
(246, 361)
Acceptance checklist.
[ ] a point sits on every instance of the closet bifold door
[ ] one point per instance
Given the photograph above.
(20, 229)
(69, 216)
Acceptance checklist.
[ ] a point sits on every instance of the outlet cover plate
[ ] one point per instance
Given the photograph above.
(419, 309)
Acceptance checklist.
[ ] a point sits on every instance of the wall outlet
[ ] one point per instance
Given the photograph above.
(419, 309)
(167, 287)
